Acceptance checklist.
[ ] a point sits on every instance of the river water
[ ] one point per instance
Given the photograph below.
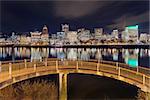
(82, 86)
(133, 57)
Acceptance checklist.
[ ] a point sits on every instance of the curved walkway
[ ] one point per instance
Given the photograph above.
(11, 73)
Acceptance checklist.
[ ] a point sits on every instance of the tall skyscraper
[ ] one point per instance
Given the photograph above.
(132, 32)
(98, 33)
(45, 35)
(115, 34)
(65, 28)
(124, 36)
(45, 30)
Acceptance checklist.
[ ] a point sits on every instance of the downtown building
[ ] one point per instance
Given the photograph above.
(98, 32)
(143, 37)
(40, 38)
(72, 37)
(115, 34)
(132, 32)
(45, 36)
(35, 37)
(84, 35)
(65, 28)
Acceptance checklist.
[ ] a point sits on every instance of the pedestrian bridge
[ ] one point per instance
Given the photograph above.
(12, 72)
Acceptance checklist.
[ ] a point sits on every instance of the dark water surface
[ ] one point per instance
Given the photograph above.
(82, 86)
(133, 57)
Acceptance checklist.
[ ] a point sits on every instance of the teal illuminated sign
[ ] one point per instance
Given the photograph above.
(133, 62)
(132, 27)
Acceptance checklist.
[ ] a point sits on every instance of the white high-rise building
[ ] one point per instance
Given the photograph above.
(65, 28)
(72, 37)
(132, 32)
(13, 37)
(124, 36)
(84, 35)
(115, 34)
(45, 35)
(35, 37)
(61, 35)
(143, 37)
(98, 33)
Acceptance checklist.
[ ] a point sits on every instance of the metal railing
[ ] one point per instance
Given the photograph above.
(8, 70)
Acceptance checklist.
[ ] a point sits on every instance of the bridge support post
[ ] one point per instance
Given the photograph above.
(10, 70)
(25, 63)
(34, 67)
(143, 79)
(117, 65)
(137, 69)
(45, 62)
(118, 71)
(77, 65)
(62, 86)
(97, 67)
(57, 65)
(0, 66)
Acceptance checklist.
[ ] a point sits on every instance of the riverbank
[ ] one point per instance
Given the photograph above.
(84, 46)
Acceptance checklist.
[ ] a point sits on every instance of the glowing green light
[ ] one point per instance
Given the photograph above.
(133, 62)
(132, 27)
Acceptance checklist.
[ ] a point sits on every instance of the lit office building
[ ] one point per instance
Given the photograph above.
(45, 35)
(84, 35)
(65, 28)
(80, 30)
(2, 39)
(143, 37)
(35, 37)
(132, 33)
(23, 39)
(124, 36)
(115, 34)
(148, 38)
(61, 35)
(98, 33)
(72, 37)
(13, 37)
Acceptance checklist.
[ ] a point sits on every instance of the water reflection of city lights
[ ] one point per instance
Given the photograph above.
(128, 56)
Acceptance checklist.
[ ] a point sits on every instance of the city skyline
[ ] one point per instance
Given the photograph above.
(26, 16)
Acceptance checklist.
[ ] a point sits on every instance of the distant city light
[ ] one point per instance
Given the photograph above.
(132, 27)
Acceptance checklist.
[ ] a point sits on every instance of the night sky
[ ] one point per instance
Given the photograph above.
(25, 16)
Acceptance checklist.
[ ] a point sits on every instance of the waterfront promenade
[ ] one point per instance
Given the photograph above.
(12, 72)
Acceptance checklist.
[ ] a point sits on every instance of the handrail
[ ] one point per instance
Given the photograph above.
(91, 60)
(16, 69)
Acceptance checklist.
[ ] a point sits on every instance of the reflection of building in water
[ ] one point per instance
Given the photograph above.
(144, 52)
(2, 53)
(131, 57)
(93, 51)
(22, 52)
(60, 53)
(53, 52)
(5, 52)
(104, 52)
(109, 51)
(45, 52)
(85, 55)
(98, 54)
(115, 54)
(79, 53)
(35, 54)
(72, 53)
